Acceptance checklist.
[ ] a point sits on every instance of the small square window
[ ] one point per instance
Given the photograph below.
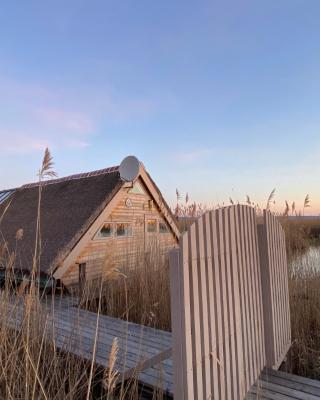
(163, 228)
(152, 225)
(123, 229)
(106, 231)
(136, 189)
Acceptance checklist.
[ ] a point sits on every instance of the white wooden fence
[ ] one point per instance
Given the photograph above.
(275, 291)
(217, 305)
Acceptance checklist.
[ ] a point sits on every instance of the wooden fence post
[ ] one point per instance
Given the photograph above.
(82, 281)
(274, 282)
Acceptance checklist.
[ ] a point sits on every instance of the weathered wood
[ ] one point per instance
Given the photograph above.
(177, 321)
(211, 305)
(225, 313)
(124, 251)
(271, 385)
(75, 331)
(274, 278)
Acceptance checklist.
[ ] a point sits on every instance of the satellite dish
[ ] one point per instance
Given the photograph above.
(129, 168)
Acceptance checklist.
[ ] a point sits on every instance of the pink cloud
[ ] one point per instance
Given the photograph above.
(65, 120)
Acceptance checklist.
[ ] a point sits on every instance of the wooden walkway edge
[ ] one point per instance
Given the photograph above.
(272, 384)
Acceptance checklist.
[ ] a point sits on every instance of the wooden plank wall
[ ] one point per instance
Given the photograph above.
(102, 255)
(217, 312)
(274, 289)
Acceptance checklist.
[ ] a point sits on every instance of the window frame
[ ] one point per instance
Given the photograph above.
(125, 236)
(131, 190)
(156, 225)
(166, 226)
(96, 237)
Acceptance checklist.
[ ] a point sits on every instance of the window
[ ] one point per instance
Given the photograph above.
(152, 225)
(123, 229)
(137, 189)
(106, 231)
(163, 228)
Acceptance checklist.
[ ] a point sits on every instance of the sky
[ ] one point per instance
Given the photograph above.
(217, 98)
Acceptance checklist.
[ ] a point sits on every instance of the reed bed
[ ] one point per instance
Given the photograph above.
(31, 367)
(304, 288)
(139, 294)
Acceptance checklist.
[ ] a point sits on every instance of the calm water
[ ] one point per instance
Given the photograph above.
(307, 262)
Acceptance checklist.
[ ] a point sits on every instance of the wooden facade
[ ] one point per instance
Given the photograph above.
(135, 207)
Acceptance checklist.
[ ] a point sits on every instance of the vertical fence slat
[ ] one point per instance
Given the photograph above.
(270, 267)
(260, 317)
(254, 299)
(224, 304)
(212, 314)
(238, 250)
(274, 280)
(230, 312)
(236, 306)
(195, 310)
(218, 305)
(177, 324)
(281, 287)
(286, 288)
(204, 323)
(243, 297)
(277, 288)
(266, 290)
(248, 292)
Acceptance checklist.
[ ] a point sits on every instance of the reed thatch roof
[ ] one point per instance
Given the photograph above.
(68, 207)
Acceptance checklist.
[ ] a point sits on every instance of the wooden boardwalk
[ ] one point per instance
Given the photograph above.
(74, 330)
(144, 353)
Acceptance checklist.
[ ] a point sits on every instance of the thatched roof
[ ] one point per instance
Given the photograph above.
(68, 207)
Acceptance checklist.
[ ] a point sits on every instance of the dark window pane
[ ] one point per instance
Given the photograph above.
(105, 231)
(152, 225)
(163, 227)
(137, 189)
(124, 229)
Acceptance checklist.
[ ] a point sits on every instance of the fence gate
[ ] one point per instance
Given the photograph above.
(217, 308)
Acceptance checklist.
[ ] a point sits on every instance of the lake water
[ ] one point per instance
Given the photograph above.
(307, 262)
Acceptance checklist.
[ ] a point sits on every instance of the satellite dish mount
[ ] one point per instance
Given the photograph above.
(129, 168)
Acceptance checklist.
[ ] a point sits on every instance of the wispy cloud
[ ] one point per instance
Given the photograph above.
(33, 116)
(65, 120)
(21, 142)
(192, 156)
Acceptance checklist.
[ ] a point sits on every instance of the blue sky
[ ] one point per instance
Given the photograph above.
(217, 98)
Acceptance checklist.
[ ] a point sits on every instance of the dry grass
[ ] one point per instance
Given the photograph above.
(139, 294)
(304, 285)
(30, 365)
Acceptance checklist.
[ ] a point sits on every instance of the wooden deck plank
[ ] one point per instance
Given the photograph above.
(263, 394)
(300, 386)
(297, 394)
(295, 378)
(267, 388)
(67, 338)
(85, 334)
(74, 330)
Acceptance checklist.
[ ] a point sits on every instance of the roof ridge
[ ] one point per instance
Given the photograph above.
(8, 190)
(72, 177)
